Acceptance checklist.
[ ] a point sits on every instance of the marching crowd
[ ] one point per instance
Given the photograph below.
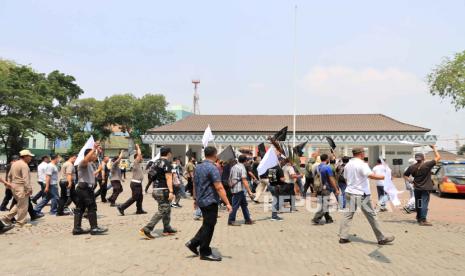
(213, 184)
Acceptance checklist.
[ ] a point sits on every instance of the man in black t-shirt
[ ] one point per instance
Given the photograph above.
(162, 179)
(276, 182)
(422, 183)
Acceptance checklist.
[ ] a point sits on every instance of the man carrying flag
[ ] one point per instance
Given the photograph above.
(84, 193)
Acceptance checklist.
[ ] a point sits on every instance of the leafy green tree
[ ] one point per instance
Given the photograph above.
(448, 80)
(32, 102)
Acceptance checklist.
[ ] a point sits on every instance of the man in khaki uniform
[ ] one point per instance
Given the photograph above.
(20, 179)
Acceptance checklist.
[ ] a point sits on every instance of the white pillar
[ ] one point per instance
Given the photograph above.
(346, 150)
(187, 158)
(254, 152)
(383, 151)
(154, 147)
(220, 148)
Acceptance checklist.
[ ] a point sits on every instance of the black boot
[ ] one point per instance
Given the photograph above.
(94, 229)
(77, 230)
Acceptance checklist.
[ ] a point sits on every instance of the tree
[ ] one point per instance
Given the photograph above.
(448, 80)
(461, 150)
(32, 102)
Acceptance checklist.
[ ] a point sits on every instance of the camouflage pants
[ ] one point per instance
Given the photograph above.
(164, 210)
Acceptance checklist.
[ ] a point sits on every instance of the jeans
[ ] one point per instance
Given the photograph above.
(364, 202)
(52, 196)
(382, 197)
(40, 193)
(239, 200)
(205, 233)
(66, 197)
(136, 197)
(341, 199)
(117, 189)
(164, 210)
(421, 204)
(299, 184)
(274, 190)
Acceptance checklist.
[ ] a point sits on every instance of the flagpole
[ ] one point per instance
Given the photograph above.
(295, 77)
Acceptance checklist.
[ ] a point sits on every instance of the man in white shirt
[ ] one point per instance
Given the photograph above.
(41, 178)
(380, 169)
(357, 173)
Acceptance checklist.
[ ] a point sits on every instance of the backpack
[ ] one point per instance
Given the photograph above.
(154, 168)
(308, 171)
(232, 181)
(317, 183)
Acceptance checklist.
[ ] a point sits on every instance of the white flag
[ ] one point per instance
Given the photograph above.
(156, 157)
(207, 136)
(389, 187)
(89, 144)
(269, 161)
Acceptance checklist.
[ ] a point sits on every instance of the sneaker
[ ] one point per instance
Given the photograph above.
(169, 232)
(197, 218)
(425, 223)
(146, 234)
(98, 231)
(329, 221)
(277, 218)
(386, 240)
(233, 224)
(315, 222)
(249, 222)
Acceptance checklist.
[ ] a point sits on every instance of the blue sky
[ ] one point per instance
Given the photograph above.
(353, 56)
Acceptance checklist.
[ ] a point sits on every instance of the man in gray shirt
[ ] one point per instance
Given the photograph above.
(136, 185)
(116, 179)
(51, 186)
(84, 194)
(238, 183)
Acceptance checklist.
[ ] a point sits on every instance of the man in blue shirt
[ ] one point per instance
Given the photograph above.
(328, 182)
(208, 189)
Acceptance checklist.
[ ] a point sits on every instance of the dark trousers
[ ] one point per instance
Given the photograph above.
(66, 197)
(227, 189)
(239, 200)
(40, 193)
(85, 201)
(136, 197)
(6, 200)
(421, 204)
(102, 191)
(177, 193)
(205, 234)
(148, 185)
(117, 189)
(190, 186)
(308, 184)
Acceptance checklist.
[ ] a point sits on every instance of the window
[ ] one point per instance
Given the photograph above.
(390, 152)
(404, 153)
(26, 142)
(34, 143)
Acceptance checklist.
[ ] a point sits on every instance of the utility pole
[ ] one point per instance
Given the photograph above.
(196, 106)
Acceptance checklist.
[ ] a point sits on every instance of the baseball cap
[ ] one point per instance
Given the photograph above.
(26, 153)
(357, 150)
(419, 156)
